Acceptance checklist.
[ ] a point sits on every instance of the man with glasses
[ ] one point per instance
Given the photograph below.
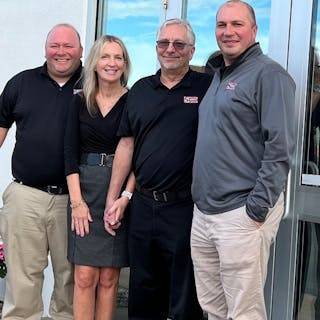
(158, 131)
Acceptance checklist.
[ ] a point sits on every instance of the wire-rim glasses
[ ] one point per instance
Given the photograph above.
(178, 45)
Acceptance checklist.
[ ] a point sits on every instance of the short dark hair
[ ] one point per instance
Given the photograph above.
(66, 25)
(250, 9)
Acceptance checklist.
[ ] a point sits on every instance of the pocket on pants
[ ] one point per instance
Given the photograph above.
(6, 192)
(278, 205)
(3, 211)
(248, 221)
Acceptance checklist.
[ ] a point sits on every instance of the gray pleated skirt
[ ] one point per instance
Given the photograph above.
(98, 248)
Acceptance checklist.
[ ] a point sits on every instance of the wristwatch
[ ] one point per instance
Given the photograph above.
(127, 194)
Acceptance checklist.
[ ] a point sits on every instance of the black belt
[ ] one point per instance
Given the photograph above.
(53, 190)
(164, 196)
(96, 159)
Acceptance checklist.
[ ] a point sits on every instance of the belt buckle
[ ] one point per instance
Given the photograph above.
(103, 159)
(53, 190)
(156, 194)
(164, 194)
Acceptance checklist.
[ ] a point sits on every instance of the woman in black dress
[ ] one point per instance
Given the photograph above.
(90, 144)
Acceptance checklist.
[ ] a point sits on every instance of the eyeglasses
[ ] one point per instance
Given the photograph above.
(178, 45)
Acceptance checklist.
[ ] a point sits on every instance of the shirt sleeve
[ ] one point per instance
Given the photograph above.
(124, 129)
(8, 100)
(275, 103)
(72, 137)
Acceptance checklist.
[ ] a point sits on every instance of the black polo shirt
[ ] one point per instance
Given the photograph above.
(164, 124)
(38, 106)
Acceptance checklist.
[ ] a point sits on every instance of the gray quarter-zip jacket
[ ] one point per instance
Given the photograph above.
(245, 136)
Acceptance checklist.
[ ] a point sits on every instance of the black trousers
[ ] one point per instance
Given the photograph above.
(161, 272)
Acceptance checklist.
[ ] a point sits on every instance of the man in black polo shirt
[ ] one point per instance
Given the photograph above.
(34, 217)
(158, 131)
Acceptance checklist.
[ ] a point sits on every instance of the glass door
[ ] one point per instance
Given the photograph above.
(307, 301)
(297, 268)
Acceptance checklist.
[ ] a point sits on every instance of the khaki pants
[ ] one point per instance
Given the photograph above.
(230, 255)
(32, 224)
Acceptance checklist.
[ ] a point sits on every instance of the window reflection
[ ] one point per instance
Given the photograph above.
(312, 150)
(202, 18)
(315, 115)
(136, 23)
(311, 164)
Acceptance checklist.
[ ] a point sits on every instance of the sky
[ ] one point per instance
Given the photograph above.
(136, 23)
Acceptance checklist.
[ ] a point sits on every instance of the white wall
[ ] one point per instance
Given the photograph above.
(23, 29)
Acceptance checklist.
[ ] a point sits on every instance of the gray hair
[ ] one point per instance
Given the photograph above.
(182, 22)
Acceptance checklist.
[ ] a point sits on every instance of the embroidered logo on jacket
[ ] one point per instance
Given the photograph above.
(231, 86)
(187, 99)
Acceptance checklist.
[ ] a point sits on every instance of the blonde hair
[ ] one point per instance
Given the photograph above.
(89, 75)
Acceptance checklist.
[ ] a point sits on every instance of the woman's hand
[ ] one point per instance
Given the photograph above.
(81, 217)
(114, 214)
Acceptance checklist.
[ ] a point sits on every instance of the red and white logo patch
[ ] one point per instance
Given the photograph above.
(231, 85)
(187, 99)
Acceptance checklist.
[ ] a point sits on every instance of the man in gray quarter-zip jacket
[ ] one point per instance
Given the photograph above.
(243, 153)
